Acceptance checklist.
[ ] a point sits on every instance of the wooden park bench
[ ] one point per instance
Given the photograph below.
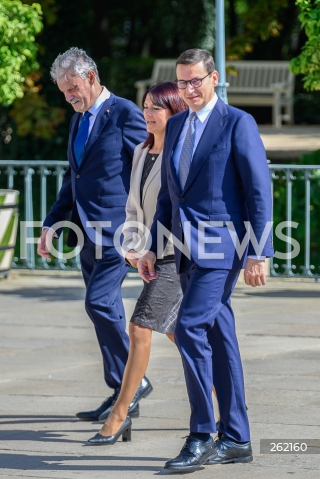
(252, 83)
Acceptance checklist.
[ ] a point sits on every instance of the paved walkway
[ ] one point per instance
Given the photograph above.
(290, 142)
(50, 368)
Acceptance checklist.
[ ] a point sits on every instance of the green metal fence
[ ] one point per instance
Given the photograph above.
(296, 201)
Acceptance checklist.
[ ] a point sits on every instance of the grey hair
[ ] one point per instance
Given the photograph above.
(74, 62)
(196, 55)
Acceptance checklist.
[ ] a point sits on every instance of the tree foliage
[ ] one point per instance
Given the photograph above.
(124, 38)
(30, 109)
(19, 23)
(49, 10)
(308, 62)
(160, 28)
(257, 19)
(33, 115)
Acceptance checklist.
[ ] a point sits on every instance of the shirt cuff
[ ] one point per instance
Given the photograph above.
(259, 258)
(48, 228)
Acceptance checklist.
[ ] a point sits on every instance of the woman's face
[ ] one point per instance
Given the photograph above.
(155, 116)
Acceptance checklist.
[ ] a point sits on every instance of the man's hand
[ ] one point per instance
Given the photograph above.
(132, 257)
(146, 267)
(45, 243)
(254, 274)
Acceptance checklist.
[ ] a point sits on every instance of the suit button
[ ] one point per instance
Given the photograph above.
(78, 176)
(182, 200)
(180, 225)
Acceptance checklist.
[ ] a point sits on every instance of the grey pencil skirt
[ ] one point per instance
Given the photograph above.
(159, 302)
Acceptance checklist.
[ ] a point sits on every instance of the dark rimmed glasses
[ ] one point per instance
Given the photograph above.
(195, 82)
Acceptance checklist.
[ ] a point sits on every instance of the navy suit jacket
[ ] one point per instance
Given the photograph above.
(228, 182)
(97, 190)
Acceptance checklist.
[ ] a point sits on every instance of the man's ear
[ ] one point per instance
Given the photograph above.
(215, 78)
(91, 77)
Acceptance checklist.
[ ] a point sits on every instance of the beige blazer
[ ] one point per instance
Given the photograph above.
(142, 211)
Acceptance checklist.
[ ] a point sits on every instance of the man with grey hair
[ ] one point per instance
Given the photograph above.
(103, 135)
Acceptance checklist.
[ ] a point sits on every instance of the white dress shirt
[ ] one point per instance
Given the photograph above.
(200, 124)
(96, 107)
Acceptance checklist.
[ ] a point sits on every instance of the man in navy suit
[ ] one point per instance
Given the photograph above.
(103, 135)
(215, 199)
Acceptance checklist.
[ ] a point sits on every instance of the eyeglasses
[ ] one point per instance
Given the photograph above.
(195, 82)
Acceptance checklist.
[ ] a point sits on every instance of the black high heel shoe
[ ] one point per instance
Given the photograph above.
(125, 431)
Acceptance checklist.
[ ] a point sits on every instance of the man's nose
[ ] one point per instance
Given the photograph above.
(189, 87)
(68, 97)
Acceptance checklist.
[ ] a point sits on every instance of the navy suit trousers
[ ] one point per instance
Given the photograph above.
(103, 278)
(206, 338)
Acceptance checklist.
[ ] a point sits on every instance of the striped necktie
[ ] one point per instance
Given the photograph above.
(187, 150)
(81, 138)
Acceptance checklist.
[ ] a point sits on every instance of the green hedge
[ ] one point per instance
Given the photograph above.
(298, 212)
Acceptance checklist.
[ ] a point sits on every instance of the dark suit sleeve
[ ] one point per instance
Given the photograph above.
(163, 212)
(250, 157)
(62, 207)
(134, 130)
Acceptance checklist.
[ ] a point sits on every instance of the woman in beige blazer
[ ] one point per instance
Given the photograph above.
(159, 302)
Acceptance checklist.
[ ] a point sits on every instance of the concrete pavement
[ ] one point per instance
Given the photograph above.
(51, 367)
(289, 142)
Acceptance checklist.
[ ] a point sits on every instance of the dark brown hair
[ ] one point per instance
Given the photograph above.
(165, 95)
(196, 55)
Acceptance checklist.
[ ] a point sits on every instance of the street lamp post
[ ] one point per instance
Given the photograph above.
(220, 55)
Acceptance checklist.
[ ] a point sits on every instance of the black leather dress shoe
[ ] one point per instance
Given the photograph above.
(125, 431)
(94, 415)
(143, 391)
(230, 451)
(193, 454)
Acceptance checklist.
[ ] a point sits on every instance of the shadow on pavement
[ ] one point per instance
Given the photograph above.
(48, 293)
(284, 293)
(41, 436)
(66, 294)
(25, 419)
(55, 463)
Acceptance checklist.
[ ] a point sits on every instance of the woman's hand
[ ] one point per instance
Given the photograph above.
(133, 257)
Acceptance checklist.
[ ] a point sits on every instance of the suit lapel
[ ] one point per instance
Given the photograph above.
(155, 169)
(215, 125)
(102, 118)
(173, 143)
(137, 174)
(73, 133)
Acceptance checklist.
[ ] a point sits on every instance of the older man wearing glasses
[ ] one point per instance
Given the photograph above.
(215, 182)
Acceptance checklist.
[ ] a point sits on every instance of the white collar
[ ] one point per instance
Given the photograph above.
(104, 95)
(206, 110)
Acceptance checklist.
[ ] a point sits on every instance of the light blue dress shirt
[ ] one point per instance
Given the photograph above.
(200, 124)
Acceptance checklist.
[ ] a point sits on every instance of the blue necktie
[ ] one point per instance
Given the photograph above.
(187, 150)
(81, 138)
